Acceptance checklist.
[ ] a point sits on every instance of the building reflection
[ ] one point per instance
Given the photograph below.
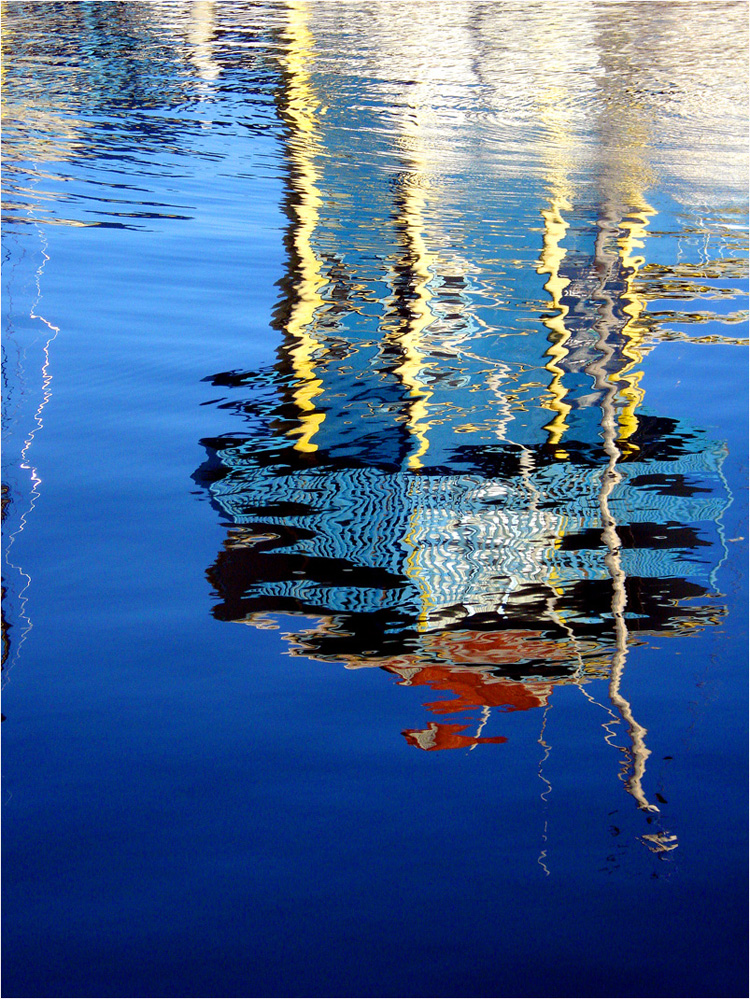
(463, 488)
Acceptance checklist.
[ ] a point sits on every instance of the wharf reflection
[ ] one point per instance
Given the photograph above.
(463, 487)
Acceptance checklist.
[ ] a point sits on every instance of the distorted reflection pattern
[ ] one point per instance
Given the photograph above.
(420, 295)
(452, 471)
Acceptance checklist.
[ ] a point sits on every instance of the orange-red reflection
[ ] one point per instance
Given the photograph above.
(444, 736)
(477, 689)
(466, 664)
(469, 658)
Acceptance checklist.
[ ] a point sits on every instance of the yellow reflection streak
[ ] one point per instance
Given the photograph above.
(556, 153)
(300, 115)
(550, 259)
(415, 574)
(632, 393)
(411, 218)
(410, 204)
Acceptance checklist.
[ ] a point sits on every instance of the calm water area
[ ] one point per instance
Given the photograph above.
(375, 499)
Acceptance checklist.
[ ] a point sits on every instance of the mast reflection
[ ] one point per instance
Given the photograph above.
(398, 494)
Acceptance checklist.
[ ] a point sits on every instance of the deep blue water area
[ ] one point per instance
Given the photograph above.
(375, 499)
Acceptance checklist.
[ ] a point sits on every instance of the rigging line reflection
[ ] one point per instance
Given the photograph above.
(482, 722)
(543, 854)
(605, 382)
(721, 529)
(547, 791)
(614, 720)
(25, 465)
(547, 749)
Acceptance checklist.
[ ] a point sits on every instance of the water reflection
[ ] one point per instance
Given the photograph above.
(452, 472)
(96, 123)
(104, 104)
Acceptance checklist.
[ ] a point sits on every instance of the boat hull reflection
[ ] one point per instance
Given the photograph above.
(451, 472)
(493, 588)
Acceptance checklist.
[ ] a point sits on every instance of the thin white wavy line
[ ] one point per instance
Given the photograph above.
(35, 479)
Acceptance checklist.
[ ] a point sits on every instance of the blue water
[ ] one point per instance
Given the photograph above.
(411, 338)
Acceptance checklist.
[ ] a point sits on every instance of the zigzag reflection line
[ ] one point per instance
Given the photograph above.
(547, 791)
(713, 578)
(605, 725)
(303, 147)
(484, 716)
(24, 617)
(543, 854)
(638, 753)
(547, 749)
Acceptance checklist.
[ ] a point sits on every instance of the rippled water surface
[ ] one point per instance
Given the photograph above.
(410, 336)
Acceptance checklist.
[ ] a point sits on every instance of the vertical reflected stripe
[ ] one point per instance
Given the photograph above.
(25, 465)
(556, 154)
(299, 114)
(632, 306)
(200, 37)
(411, 217)
(605, 381)
(417, 573)
(551, 257)
(411, 204)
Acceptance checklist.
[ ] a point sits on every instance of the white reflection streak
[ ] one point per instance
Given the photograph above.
(484, 716)
(36, 482)
(605, 725)
(545, 794)
(611, 477)
(714, 577)
(200, 38)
